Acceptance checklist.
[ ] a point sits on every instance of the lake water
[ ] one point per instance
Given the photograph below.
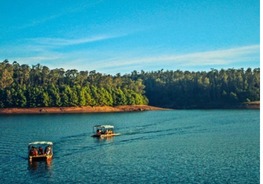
(177, 146)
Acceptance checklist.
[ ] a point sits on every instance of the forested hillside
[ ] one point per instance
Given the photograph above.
(213, 89)
(39, 86)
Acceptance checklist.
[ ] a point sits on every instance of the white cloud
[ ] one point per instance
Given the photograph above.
(224, 58)
(67, 42)
(216, 57)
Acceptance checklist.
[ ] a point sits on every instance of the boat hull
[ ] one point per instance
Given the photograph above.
(40, 157)
(105, 135)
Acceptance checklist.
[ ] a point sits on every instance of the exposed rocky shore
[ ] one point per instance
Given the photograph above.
(87, 109)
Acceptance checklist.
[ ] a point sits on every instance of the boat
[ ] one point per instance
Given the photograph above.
(102, 131)
(40, 150)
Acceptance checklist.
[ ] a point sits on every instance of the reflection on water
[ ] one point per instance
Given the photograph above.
(41, 166)
(41, 171)
(103, 139)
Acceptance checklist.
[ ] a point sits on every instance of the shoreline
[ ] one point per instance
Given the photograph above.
(72, 110)
(104, 109)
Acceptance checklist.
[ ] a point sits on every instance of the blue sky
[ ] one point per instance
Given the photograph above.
(119, 36)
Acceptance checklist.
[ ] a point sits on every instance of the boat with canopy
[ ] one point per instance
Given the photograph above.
(40, 150)
(102, 131)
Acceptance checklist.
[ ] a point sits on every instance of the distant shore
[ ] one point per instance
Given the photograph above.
(252, 105)
(102, 109)
(86, 109)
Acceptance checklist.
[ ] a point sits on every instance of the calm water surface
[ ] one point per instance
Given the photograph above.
(184, 146)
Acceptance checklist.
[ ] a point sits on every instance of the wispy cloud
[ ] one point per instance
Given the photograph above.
(233, 57)
(67, 42)
(60, 12)
(245, 56)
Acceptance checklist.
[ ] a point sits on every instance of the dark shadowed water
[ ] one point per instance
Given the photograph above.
(184, 146)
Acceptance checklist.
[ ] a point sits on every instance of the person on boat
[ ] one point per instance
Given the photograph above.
(33, 151)
(48, 150)
(98, 132)
(40, 151)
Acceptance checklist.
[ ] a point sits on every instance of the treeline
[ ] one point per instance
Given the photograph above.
(38, 86)
(213, 89)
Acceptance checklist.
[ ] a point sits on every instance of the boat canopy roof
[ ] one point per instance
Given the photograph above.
(41, 142)
(104, 126)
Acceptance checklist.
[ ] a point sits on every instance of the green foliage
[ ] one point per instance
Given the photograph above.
(212, 89)
(38, 86)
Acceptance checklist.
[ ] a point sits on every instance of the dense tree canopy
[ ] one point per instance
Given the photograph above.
(213, 89)
(39, 86)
